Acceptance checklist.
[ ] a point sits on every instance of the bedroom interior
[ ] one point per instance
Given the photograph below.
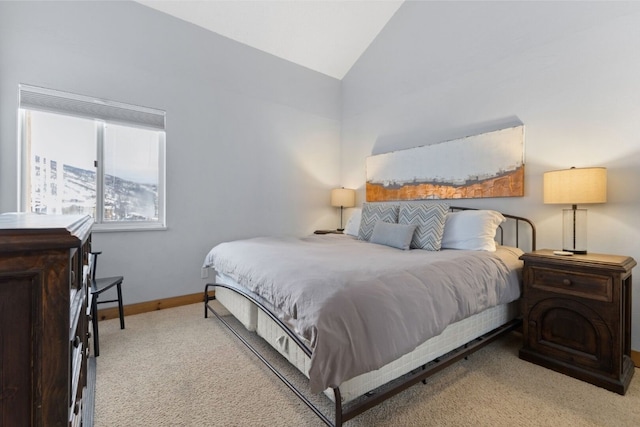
(255, 143)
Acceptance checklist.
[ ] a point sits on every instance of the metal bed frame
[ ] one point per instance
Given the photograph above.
(348, 411)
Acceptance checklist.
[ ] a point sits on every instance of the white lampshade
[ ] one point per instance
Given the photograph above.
(576, 186)
(343, 197)
(572, 187)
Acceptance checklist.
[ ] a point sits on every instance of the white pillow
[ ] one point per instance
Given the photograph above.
(353, 223)
(394, 235)
(473, 230)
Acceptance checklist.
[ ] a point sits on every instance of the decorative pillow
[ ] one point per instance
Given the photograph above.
(353, 223)
(374, 212)
(394, 235)
(473, 230)
(429, 219)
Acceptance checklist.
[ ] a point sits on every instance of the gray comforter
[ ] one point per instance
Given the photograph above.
(362, 305)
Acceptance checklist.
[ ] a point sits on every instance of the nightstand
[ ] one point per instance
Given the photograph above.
(577, 316)
(328, 232)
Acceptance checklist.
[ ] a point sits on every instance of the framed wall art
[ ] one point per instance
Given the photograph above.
(490, 164)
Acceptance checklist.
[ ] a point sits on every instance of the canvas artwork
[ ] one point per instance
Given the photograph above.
(485, 165)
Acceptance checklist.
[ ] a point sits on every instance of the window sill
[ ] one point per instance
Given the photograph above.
(136, 226)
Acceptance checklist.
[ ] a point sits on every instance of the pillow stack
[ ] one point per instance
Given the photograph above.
(428, 226)
(415, 225)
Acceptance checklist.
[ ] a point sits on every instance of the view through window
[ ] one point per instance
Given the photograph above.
(130, 174)
(81, 165)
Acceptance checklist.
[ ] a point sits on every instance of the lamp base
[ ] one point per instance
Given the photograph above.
(574, 230)
(576, 251)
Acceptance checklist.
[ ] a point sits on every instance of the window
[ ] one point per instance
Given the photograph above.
(82, 155)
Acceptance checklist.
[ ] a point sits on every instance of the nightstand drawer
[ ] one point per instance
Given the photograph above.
(589, 286)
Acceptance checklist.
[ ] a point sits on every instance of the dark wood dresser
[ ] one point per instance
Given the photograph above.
(577, 316)
(44, 326)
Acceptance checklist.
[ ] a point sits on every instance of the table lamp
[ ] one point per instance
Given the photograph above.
(343, 198)
(572, 187)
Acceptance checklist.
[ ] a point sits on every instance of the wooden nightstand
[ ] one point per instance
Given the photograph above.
(577, 316)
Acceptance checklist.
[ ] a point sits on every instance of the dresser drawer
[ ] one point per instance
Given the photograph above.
(590, 286)
(76, 362)
(75, 371)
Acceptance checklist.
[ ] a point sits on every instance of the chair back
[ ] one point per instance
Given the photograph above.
(93, 264)
(88, 270)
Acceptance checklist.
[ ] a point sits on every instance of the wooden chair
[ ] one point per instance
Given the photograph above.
(98, 286)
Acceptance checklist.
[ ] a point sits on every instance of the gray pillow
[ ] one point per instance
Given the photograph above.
(429, 218)
(394, 235)
(374, 212)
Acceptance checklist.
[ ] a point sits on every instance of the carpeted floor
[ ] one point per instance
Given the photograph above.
(175, 368)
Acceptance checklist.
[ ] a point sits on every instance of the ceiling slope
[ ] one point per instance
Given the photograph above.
(326, 36)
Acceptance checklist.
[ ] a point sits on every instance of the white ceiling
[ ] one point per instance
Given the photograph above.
(324, 35)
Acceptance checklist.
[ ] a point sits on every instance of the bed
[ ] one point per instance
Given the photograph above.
(408, 289)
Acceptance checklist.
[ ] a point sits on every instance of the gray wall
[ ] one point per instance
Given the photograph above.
(252, 140)
(568, 70)
(254, 143)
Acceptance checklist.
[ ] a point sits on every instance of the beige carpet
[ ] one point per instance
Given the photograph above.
(175, 368)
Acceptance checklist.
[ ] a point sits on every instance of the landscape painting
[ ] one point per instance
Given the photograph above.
(485, 165)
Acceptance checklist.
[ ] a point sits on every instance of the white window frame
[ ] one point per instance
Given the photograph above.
(103, 112)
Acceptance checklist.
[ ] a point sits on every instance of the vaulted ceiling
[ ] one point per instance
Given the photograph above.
(326, 36)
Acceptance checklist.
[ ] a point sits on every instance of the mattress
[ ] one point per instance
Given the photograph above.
(453, 336)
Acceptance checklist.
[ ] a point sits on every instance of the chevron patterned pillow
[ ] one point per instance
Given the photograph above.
(429, 218)
(374, 212)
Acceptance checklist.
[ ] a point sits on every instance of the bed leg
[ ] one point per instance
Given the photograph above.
(338, 399)
(424, 367)
(207, 298)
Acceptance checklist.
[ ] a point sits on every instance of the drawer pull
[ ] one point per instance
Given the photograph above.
(76, 341)
(566, 282)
